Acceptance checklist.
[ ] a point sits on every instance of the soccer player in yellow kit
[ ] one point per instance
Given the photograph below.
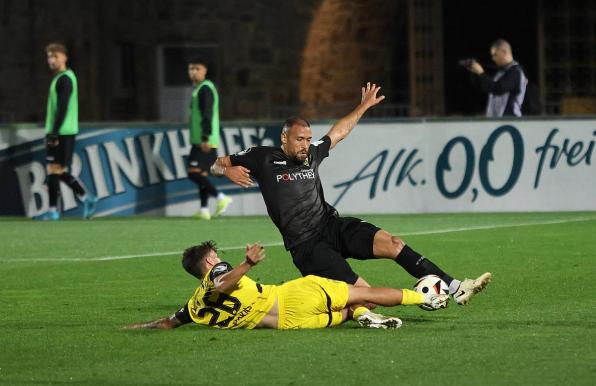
(227, 298)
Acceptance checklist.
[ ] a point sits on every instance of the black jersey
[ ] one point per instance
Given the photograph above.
(292, 190)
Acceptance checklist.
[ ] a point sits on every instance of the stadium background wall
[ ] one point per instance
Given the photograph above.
(400, 166)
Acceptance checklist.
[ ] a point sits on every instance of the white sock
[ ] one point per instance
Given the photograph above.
(83, 197)
(53, 209)
(205, 210)
(454, 286)
(220, 196)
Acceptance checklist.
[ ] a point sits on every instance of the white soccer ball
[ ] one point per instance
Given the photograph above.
(430, 284)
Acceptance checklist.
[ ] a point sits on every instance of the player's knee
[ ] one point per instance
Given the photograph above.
(397, 242)
(387, 246)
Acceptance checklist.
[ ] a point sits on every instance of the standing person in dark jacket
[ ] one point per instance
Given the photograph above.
(204, 137)
(62, 126)
(507, 87)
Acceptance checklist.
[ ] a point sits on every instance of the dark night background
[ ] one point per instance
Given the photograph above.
(469, 29)
(273, 59)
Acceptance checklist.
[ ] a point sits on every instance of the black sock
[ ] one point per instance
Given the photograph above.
(54, 189)
(74, 184)
(206, 188)
(204, 197)
(209, 188)
(417, 265)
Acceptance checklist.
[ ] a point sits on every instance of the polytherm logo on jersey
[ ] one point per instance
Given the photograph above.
(296, 176)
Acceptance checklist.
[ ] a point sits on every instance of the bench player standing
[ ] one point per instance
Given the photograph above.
(62, 126)
(204, 137)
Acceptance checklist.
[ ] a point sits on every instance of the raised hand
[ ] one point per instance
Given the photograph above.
(476, 68)
(254, 253)
(369, 95)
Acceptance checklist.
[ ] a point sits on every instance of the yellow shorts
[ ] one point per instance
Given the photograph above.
(311, 302)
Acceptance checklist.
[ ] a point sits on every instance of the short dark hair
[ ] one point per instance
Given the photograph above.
(295, 121)
(501, 43)
(194, 255)
(56, 47)
(198, 60)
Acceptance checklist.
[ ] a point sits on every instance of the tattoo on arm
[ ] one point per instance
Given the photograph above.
(218, 169)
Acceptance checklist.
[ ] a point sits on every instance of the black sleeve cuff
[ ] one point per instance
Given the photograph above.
(219, 269)
(183, 315)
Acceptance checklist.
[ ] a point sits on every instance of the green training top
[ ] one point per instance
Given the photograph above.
(196, 131)
(70, 124)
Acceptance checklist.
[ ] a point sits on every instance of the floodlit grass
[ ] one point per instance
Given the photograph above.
(63, 307)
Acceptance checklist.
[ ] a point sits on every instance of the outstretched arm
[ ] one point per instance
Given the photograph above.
(344, 126)
(255, 253)
(163, 324)
(237, 174)
(510, 81)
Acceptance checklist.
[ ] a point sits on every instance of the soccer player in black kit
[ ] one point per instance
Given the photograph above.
(318, 239)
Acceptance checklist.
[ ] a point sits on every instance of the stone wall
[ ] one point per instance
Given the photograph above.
(274, 57)
(348, 44)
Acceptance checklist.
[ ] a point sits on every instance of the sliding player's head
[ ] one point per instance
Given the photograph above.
(199, 259)
(197, 70)
(57, 57)
(296, 136)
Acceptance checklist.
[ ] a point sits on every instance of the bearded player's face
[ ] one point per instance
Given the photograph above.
(297, 141)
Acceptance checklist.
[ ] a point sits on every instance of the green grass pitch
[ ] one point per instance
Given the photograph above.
(67, 288)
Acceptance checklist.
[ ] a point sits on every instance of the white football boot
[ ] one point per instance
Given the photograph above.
(469, 288)
(371, 320)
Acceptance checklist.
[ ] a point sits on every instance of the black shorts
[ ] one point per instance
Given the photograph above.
(61, 154)
(325, 255)
(199, 159)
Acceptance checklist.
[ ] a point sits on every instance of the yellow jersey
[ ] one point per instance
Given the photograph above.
(244, 307)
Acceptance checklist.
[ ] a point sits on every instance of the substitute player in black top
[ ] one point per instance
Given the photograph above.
(62, 126)
(203, 126)
(316, 236)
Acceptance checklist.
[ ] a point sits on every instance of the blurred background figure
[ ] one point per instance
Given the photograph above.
(204, 137)
(62, 126)
(506, 88)
(134, 51)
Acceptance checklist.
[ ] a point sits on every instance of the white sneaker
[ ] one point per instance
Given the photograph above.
(204, 215)
(372, 320)
(436, 301)
(469, 288)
